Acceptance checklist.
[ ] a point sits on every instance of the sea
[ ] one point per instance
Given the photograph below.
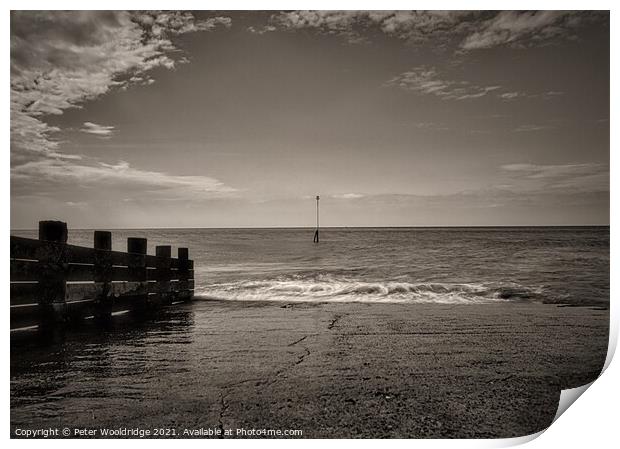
(464, 265)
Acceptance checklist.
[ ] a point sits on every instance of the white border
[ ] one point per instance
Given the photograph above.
(591, 422)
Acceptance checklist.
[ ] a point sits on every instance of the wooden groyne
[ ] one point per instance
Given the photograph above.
(53, 283)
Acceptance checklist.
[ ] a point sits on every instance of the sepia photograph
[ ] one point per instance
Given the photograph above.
(318, 224)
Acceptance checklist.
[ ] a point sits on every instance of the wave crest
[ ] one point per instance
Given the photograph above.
(323, 289)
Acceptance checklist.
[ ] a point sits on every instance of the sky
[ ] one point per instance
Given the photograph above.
(238, 119)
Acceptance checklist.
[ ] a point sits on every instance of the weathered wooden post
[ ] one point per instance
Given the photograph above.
(53, 231)
(316, 233)
(163, 253)
(136, 247)
(183, 272)
(53, 279)
(103, 275)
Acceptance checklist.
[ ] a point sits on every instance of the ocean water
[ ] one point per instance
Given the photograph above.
(411, 265)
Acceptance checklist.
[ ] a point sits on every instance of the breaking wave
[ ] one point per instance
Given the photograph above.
(328, 289)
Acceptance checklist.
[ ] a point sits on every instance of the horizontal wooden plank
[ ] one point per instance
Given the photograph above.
(24, 293)
(159, 275)
(122, 274)
(28, 292)
(128, 302)
(87, 273)
(80, 272)
(30, 315)
(25, 270)
(156, 275)
(23, 248)
(176, 263)
(24, 316)
(157, 287)
(182, 274)
(32, 249)
(77, 310)
(184, 285)
(185, 295)
(152, 261)
(92, 290)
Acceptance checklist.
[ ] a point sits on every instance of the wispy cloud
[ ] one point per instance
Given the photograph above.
(490, 205)
(98, 130)
(531, 128)
(261, 30)
(510, 95)
(523, 28)
(589, 177)
(466, 30)
(78, 204)
(551, 94)
(426, 81)
(348, 196)
(431, 126)
(58, 173)
(414, 26)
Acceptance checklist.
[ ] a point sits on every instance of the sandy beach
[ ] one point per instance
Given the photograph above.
(330, 370)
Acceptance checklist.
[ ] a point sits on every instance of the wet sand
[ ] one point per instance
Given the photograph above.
(331, 370)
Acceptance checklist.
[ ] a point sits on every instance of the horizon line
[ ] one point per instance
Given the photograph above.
(339, 227)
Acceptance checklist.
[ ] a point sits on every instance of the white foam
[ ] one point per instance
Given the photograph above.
(327, 289)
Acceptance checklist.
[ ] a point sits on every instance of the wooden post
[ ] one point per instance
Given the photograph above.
(53, 231)
(53, 280)
(136, 247)
(183, 254)
(183, 272)
(103, 275)
(316, 233)
(163, 253)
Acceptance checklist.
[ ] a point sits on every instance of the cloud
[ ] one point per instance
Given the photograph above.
(500, 205)
(550, 94)
(261, 30)
(60, 59)
(348, 196)
(530, 128)
(54, 173)
(177, 22)
(510, 95)
(426, 81)
(430, 126)
(523, 193)
(586, 177)
(416, 26)
(76, 203)
(98, 130)
(523, 28)
(466, 30)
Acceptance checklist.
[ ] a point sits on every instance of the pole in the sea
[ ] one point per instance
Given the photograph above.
(316, 233)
